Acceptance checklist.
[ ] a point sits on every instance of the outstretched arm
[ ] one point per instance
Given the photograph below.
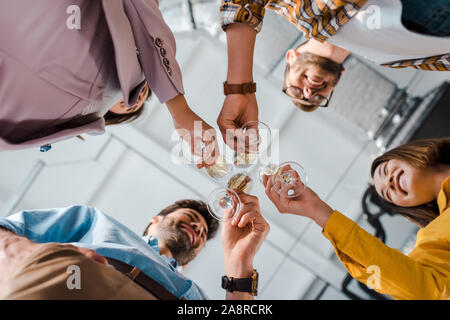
(241, 23)
(194, 130)
(423, 274)
(242, 236)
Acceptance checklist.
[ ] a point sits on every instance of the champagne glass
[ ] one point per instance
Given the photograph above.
(204, 149)
(240, 181)
(223, 201)
(267, 170)
(220, 170)
(290, 179)
(197, 145)
(253, 138)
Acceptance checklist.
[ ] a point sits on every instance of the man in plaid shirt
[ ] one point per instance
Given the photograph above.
(393, 33)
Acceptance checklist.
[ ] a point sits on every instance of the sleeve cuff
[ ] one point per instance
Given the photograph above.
(246, 12)
(338, 229)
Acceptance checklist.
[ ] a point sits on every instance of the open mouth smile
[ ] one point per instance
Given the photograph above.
(315, 83)
(191, 234)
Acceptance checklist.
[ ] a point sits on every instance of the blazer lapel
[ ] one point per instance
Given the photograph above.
(129, 71)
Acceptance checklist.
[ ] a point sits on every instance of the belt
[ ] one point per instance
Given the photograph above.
(143, 280)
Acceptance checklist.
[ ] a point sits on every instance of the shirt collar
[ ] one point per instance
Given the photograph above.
(153, 242)
(443, 199)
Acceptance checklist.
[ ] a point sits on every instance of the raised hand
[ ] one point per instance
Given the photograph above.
(200, 136)
(307, 204)
(242, 236)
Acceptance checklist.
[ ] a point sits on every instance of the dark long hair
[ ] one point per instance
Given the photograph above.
(421, 154)
(112, 118)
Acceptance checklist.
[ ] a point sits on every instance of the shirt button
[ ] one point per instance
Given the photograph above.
(45, 147)
(162, 52)
(169, 71)
(137, 51)
(166, 62)
(158, 42)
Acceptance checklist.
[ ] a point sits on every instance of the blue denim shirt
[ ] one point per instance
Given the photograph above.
(88, 227)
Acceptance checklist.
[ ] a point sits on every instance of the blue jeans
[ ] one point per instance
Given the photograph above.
(430, 17)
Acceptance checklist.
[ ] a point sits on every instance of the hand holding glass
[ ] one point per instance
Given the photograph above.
(289, 178)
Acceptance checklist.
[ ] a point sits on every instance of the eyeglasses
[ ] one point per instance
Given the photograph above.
(296, 94)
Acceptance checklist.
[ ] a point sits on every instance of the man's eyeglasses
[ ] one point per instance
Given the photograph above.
(297, 95)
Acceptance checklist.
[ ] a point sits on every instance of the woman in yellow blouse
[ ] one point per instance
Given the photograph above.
(415, 180)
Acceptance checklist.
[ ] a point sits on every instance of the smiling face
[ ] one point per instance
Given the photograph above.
(310, 78)
(183, 232)
(397, 182)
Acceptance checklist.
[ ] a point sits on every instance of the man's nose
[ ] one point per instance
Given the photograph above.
(198, 227)
(308, 92)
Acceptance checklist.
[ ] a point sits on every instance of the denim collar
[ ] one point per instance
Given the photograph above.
(153, 242)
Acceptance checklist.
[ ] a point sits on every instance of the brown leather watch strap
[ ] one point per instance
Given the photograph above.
(242, 88)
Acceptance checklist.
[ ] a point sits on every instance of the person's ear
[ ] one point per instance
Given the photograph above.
(291, 54)
(155, 220)
(184, 266)
(342, 71)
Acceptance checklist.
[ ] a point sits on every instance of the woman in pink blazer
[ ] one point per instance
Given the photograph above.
(65, 63)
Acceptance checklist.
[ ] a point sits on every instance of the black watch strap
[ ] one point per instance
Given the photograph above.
(249, 285)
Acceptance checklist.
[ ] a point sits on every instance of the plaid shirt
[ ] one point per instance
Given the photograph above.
(317, 19)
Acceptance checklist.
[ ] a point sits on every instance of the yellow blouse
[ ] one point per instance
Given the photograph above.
(423, 274)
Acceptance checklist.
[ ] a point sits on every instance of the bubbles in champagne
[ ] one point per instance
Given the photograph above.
(241, 182)
(244, 160)
(269, 170)
(292, 179)
(287, 178)
(220, 169)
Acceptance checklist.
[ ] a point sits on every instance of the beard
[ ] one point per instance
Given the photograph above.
(327, 66)
(176, 240)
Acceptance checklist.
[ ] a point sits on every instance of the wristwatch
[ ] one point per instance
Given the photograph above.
(249, 285)
(243, 88)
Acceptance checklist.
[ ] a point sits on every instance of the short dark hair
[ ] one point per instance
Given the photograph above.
(197, 205)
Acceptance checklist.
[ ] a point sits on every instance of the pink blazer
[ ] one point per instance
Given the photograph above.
(50, 74)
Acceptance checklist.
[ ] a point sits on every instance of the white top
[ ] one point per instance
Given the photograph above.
(377, 33)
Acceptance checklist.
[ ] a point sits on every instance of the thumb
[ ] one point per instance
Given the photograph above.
(227, 124)
(231, 212)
